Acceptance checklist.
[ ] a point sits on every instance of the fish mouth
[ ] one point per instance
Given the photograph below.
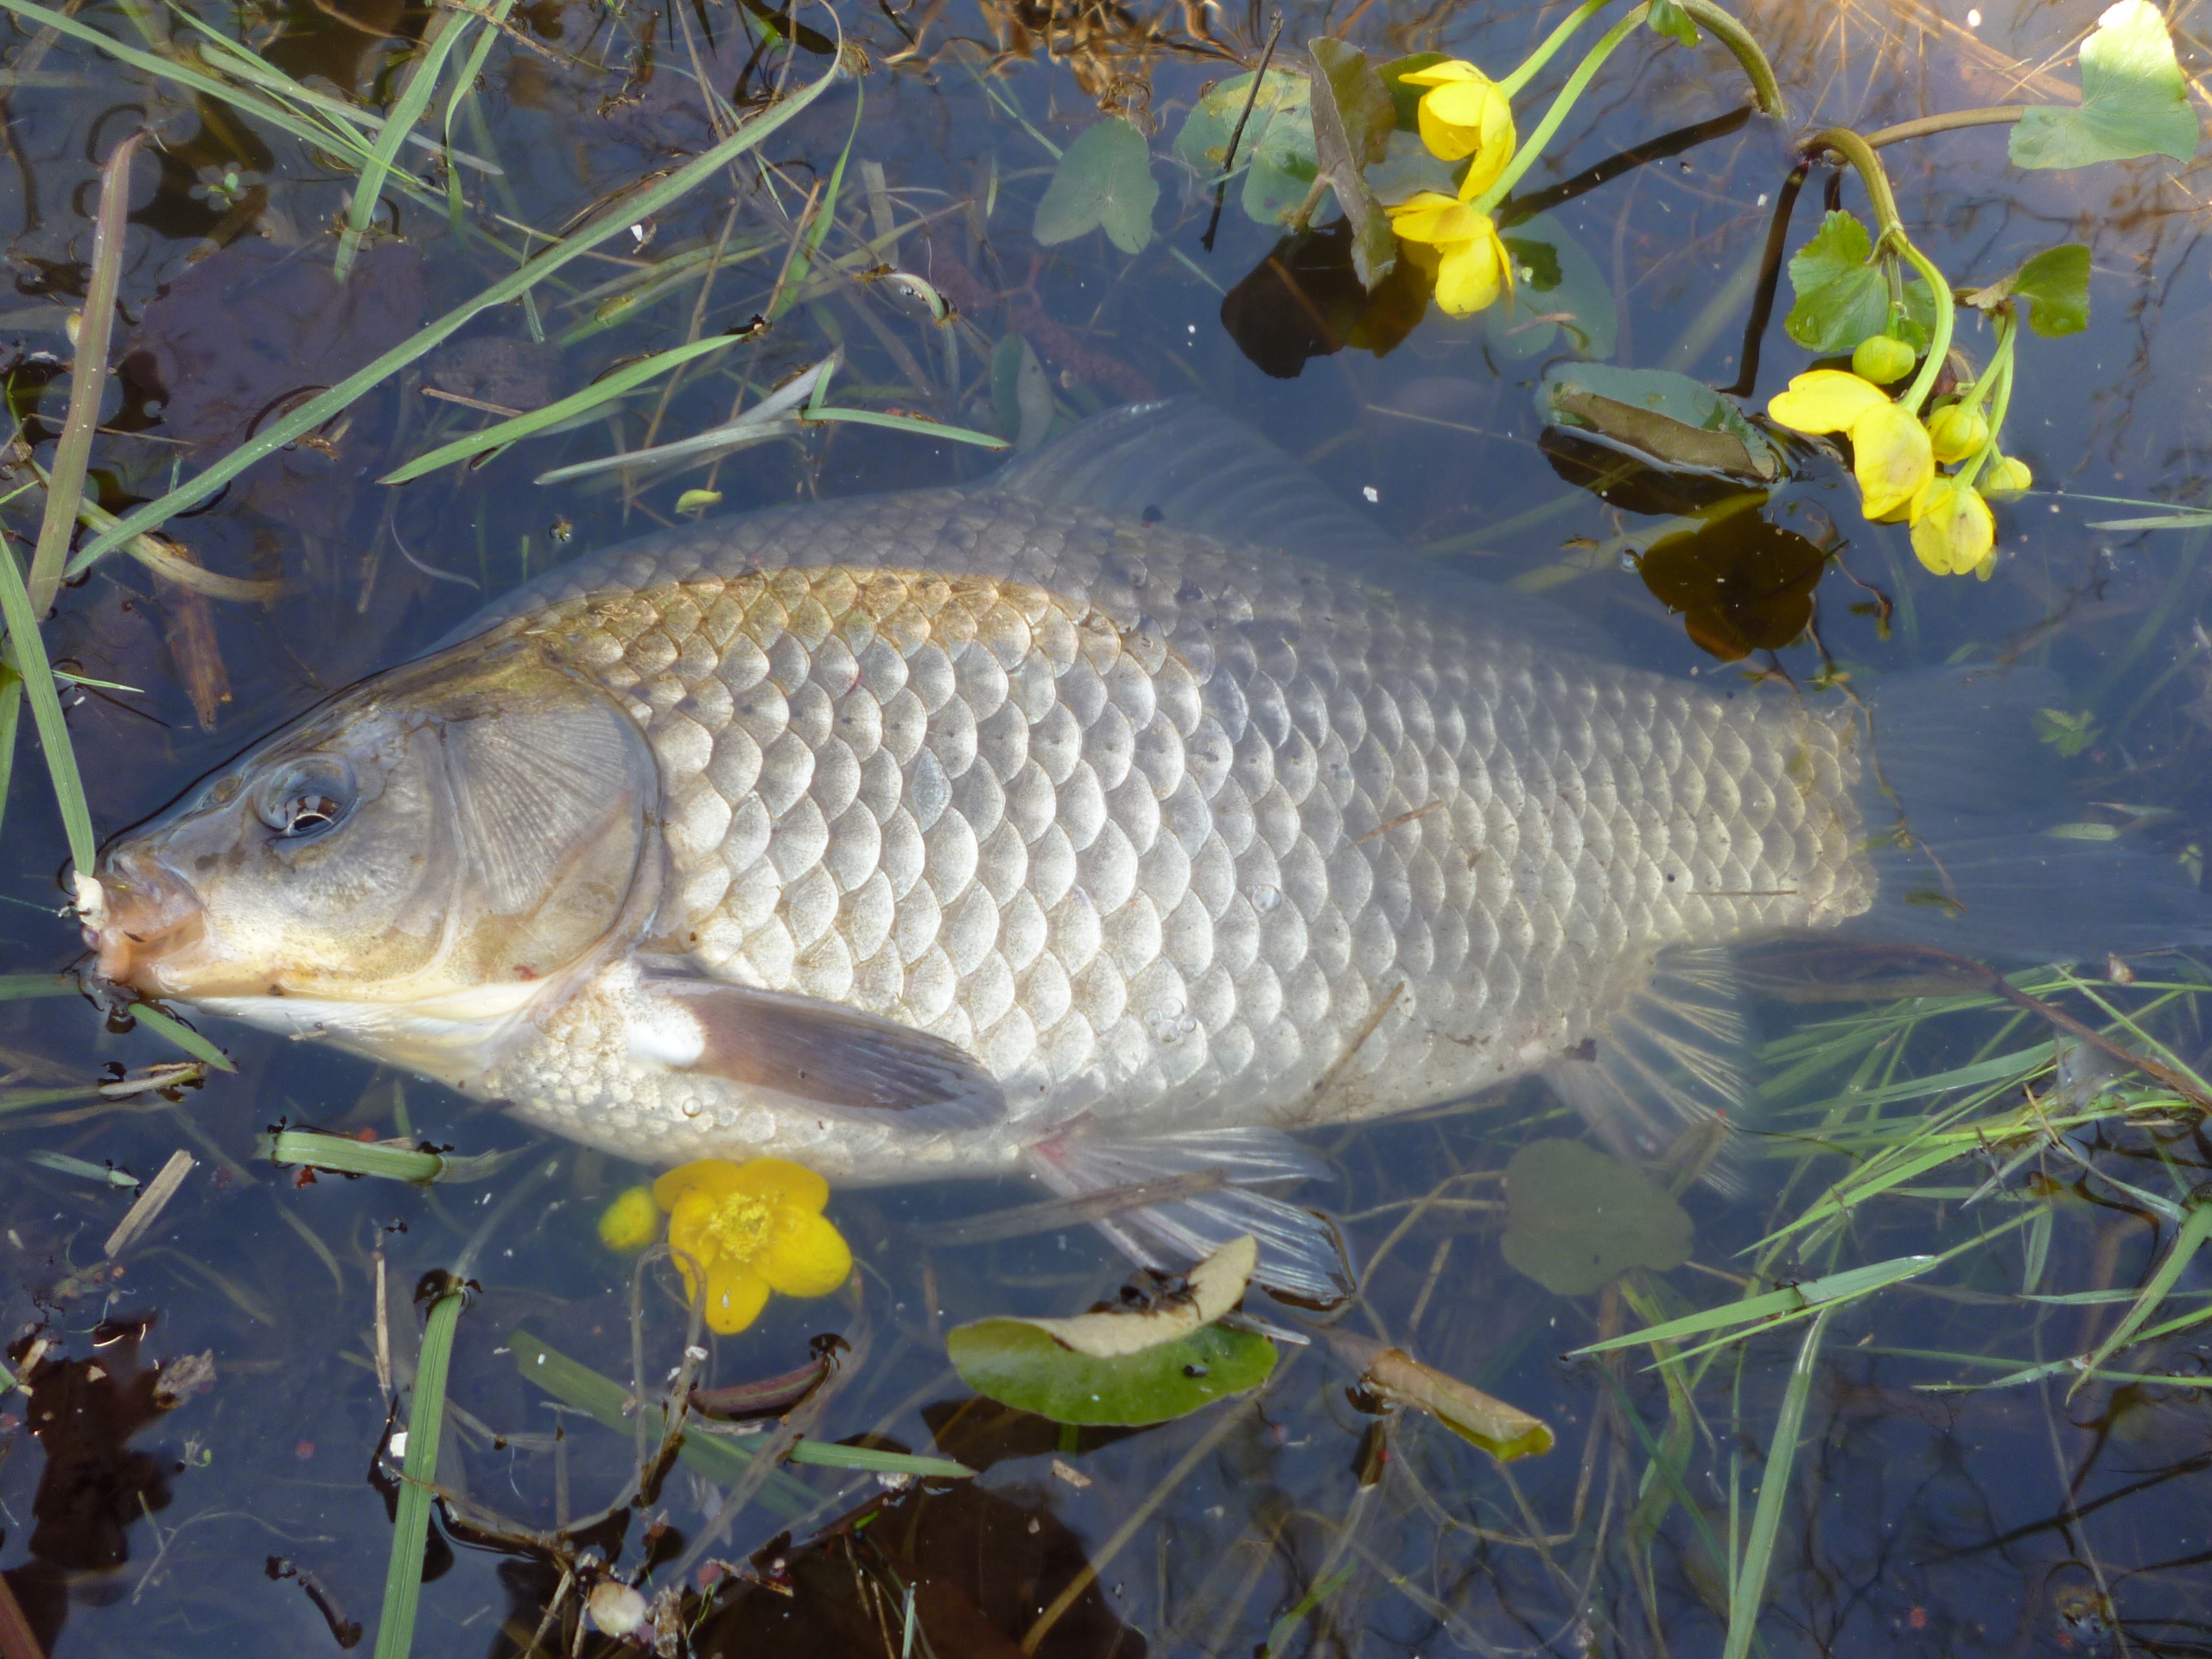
(135, 914)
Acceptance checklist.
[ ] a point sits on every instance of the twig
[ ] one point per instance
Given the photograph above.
(143, 1214)
(1229, 161)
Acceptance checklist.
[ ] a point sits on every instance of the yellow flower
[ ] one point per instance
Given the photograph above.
(1464, 113)
(631, 1222)
(751, 1228)
(2005, 478)
(1953, 530)
(1470, 266)
(1890, 455)
(1956, 432)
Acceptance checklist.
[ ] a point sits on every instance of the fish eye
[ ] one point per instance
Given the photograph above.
(308, 798)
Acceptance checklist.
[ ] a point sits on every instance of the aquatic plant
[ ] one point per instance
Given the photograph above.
(743, 1231)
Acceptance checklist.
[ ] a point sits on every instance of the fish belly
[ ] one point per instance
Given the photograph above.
(1172, 835)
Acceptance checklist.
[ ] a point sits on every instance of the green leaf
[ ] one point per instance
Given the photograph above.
(828, 1454)
(1022, 1366)
(1353, 122)
(1284, 160)
(182, 1035)
(1202, 143)
(1576, 1218)
(1565, 289)
(1404, 98)
(1669, 19)
(2135, 100)
(2056, 282)
(2068, 733)
(1842, 296)
(1103, 181)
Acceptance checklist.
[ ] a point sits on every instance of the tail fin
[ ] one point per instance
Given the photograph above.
(1960, 802)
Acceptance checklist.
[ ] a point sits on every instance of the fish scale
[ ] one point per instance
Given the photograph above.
(1159, 829)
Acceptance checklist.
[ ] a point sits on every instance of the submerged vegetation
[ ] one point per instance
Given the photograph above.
(424, 299)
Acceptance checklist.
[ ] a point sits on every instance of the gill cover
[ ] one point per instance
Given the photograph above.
(443, 835)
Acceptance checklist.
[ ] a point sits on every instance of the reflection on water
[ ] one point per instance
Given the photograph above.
(253, 1508)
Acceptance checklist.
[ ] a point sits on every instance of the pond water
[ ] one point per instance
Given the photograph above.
(1910, 1508)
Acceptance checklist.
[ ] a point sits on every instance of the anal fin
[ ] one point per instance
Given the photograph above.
(1300, 1252)
(1668, 1066)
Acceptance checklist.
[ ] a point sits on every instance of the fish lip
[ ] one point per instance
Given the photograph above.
(139, 912)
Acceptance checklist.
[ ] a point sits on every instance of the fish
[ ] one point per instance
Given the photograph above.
(1115, 820)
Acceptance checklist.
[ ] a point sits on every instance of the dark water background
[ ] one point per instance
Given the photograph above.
(2008, 1522)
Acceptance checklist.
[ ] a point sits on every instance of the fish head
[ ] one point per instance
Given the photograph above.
(436, 846)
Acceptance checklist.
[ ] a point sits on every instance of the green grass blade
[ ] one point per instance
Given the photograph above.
(414, 99)
(316, 411)
(763, 420)
(410, 1533)
(73, 451)
(1747, 1594)
(825, 214)
(828, 1455)
(913, 424)
(182, 1035)
(343, 1156)
(29, 652)
(2194, 1227)
(1813, 1293)
(14, 987)
(11, 714)
(604, 390)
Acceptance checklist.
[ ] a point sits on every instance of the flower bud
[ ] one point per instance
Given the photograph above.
(631, 1222)
(2007, 478)
(1883, 359)
(1955, 432)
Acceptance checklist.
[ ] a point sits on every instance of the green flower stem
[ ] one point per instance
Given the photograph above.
(1888, 232)
(1997, 115)
(1577, 84)
(1997, 377)
(1732, 34)
(1544, 55)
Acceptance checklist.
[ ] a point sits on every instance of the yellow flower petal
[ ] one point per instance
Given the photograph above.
(1439, 74)
(1473, 274)
(1438, 220)
(689, 1237)
(711, 1175)
(1825, 400)
(1953, 530)
(1891, 458)
(735, 1296)
(806, 1257)
(631, 1222)
(782, 1182)
(1469, 118)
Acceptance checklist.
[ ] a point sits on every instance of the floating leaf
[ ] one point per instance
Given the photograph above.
(1103, 181)
(1665, 420)
(1353, 121)
(1214, 1286)
(1560, 287)
(2056, 283)
(1284, 162)
(1842, 295)
(2135, 100)
(1408, 168)
(1203, 144)
(1505, 1432)
(1576, 1218)
(1739, 583)
(1017, 1364)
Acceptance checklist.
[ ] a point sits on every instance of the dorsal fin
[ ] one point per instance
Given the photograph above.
(1185, 465)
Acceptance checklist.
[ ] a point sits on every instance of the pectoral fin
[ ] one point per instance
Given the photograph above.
(821, 1054)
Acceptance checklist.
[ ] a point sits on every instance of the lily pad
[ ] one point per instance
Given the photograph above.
(1275, 154)
(1666, 420)
(1576, 1218)
(1019, 1365)
(1103, 181)
(2135, 100)
(1561, 287)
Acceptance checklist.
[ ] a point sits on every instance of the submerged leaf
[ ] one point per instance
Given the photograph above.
(1017, 1364)
(1306, 300)
(1505, 1432)
(1666, 419)
(1103, 181)
(1578, 1219)
(2135, 100)
(1741, 583)
(1559, 286)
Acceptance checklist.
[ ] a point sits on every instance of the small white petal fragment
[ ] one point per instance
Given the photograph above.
(1216, 1285)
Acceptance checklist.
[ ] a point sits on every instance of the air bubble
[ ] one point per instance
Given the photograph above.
(691, 1106)
(1265, 897)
